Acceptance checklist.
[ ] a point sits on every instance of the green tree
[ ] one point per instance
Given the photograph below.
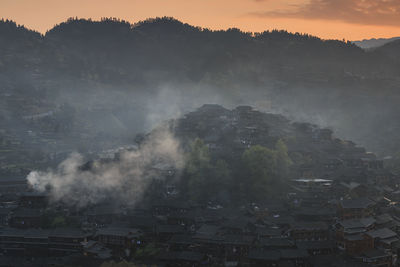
(221, 174)
(59, 221)
(149, 251)
(260, 165)
(205, 180)
(197, 170)
(283, 160)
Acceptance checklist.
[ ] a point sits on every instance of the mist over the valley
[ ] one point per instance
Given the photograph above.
(78, 183)
(87, 85)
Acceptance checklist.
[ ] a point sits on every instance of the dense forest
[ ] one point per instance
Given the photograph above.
(110, 79)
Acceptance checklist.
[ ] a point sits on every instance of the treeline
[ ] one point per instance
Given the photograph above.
(115, 50)
(258, 175)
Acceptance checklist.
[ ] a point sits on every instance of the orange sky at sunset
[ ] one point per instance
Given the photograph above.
(337, 19)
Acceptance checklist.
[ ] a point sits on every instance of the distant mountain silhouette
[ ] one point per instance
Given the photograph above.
(390, 50)
(374, 43)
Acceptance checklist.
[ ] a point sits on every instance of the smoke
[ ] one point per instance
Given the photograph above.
(125, 178)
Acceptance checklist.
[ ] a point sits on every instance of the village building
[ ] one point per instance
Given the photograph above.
(355, 208)
(309, 231)
(351, 235)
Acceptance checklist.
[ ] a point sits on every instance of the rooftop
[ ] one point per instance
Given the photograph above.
(382, 233)
(118, 231)
(359, 203)
(357, 223)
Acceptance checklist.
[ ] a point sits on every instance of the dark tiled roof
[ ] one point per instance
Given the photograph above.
(34, 194)
(294, 253)
(335, 261)
(309, 226)
(207, 229)
(43, 233)
(181, 239)
(268, 232)
(350, 185)
(357, 223)
(323, 244)
(374, 253)
(166, 228)
(236, 224)
(382, 233)
(359, 203)
(356, 237)
(68, 232)
(118, 231)
(5, 211)
(26, 212)
(181, 256)
(276, 242)
(383, 218)
(264, 255)
(244, 240)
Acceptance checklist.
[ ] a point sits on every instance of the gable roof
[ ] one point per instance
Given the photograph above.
(190, 256)
(350, 185)
(382, 233)
(310, 226)
(276, 242)
(374, 253)
(383, 218)
(357, 223)
(295, 253)
(118, 231)
(265, 255)
(359, 203)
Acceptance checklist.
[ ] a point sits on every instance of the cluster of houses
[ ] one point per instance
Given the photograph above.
(339, 209)
(311, 226)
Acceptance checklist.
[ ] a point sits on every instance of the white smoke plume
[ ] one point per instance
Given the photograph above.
(125, 179)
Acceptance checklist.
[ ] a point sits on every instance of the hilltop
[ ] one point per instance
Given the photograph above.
(243, 154)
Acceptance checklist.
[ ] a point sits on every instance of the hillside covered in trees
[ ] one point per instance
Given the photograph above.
(243, 155)
(93, 84)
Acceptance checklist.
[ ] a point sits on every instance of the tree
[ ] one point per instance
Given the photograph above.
(149, 251)
(197, 170)
(221, 173)
(283, 160)
(205, 180)
(260, 164)
(59, 221)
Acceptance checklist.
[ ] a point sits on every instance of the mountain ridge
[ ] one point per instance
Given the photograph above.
(137, 72)
(374, 42)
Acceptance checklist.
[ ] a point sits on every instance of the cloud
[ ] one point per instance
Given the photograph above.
(366, 12)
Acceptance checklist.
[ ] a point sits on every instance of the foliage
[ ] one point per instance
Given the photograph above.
(283, 160)
(257, 174)
(59, 221)
(260, 164)
(150, 250)
(205, 179)
(52, 219)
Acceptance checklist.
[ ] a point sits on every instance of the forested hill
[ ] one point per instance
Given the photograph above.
(130, 71)
(113, 50)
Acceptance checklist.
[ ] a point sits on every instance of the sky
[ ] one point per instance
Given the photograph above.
(328, 19)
